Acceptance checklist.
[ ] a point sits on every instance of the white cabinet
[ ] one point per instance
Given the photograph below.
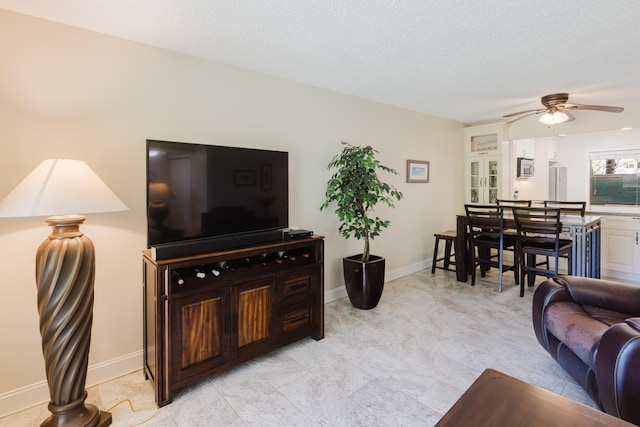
(525, 148)
(483, 179)
(485, 139)
(621, 246)
(486, 149)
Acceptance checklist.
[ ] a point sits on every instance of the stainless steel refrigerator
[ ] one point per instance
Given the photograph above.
(558, 183)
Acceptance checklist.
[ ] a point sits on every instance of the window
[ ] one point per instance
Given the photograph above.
(615, 177)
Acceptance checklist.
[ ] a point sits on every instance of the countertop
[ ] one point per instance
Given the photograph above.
(613, 213)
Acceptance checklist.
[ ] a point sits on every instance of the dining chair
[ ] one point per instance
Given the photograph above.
(539, 234)
(507, 204)
(487, 241)
(567, 208)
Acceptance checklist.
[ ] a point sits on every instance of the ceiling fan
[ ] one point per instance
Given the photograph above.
(556, 108)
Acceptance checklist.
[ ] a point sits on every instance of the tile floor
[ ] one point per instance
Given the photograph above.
(402, 364)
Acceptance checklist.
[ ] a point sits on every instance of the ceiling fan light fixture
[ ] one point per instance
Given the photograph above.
(556, 110)
(556, 117)
(560, 117)
(547, 119)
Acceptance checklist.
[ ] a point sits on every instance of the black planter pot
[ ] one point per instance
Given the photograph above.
(364, 281)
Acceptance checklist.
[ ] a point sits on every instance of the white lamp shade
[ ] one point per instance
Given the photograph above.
(560, 117)
(60, 187)
(547, 119)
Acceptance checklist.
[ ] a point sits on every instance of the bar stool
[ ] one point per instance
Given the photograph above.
(449, 238)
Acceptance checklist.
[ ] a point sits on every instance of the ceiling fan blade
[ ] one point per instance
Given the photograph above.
(593, 107)
(571, 118)
(522, 112)
(522, 117)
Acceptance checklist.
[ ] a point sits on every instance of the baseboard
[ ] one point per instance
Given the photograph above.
(334, 294)
(38, 393)
(619, 275)
(407, 270)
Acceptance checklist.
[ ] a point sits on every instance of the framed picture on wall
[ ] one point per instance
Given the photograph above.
(417, 171)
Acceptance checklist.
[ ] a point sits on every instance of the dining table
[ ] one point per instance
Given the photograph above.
(585, 232)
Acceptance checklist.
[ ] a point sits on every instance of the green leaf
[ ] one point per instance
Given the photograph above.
(356, 189)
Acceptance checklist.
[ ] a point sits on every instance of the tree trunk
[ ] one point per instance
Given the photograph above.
(365, 253)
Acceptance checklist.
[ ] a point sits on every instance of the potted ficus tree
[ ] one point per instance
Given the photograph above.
(356, 189)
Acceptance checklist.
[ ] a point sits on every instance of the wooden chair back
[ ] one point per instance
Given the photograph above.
(539, 234)
(486, 233)
(538, 227)
(520, 203)
(485, 221)
(567, 208)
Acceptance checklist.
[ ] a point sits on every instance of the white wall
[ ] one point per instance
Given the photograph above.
(534, 188)
(70, 93)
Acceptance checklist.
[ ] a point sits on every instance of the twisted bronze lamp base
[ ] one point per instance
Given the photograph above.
(65, 272)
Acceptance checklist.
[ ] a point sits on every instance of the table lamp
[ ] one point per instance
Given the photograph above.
(65, 268)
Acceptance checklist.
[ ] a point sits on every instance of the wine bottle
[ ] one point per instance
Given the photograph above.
(215, 272)
(199, 273)
(226, 265)
(176, 277)
(263, 259)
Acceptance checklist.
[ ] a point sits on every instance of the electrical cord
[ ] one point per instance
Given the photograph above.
(137, 410)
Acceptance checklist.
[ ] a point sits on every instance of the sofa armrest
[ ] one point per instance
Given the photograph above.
(547, 292)
(617, 370)
(634, 322)
(607, 294)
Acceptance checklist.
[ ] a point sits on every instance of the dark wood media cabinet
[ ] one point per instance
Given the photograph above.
(259, 298)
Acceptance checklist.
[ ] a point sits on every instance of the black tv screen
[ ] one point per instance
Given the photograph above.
(198, 191)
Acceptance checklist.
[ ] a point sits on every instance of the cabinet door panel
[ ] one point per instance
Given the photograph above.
(254, 314)
(200, 334)
(492, 188)
(201, 323)
(253, 306)
(619, 247)
(475, 181)
(483, 179)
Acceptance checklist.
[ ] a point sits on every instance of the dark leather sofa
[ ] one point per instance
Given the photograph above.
(591, 327)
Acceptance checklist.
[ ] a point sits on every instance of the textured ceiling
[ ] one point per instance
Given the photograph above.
(470, 61)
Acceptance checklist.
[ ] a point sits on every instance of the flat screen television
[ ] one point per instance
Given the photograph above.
(214, 197)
